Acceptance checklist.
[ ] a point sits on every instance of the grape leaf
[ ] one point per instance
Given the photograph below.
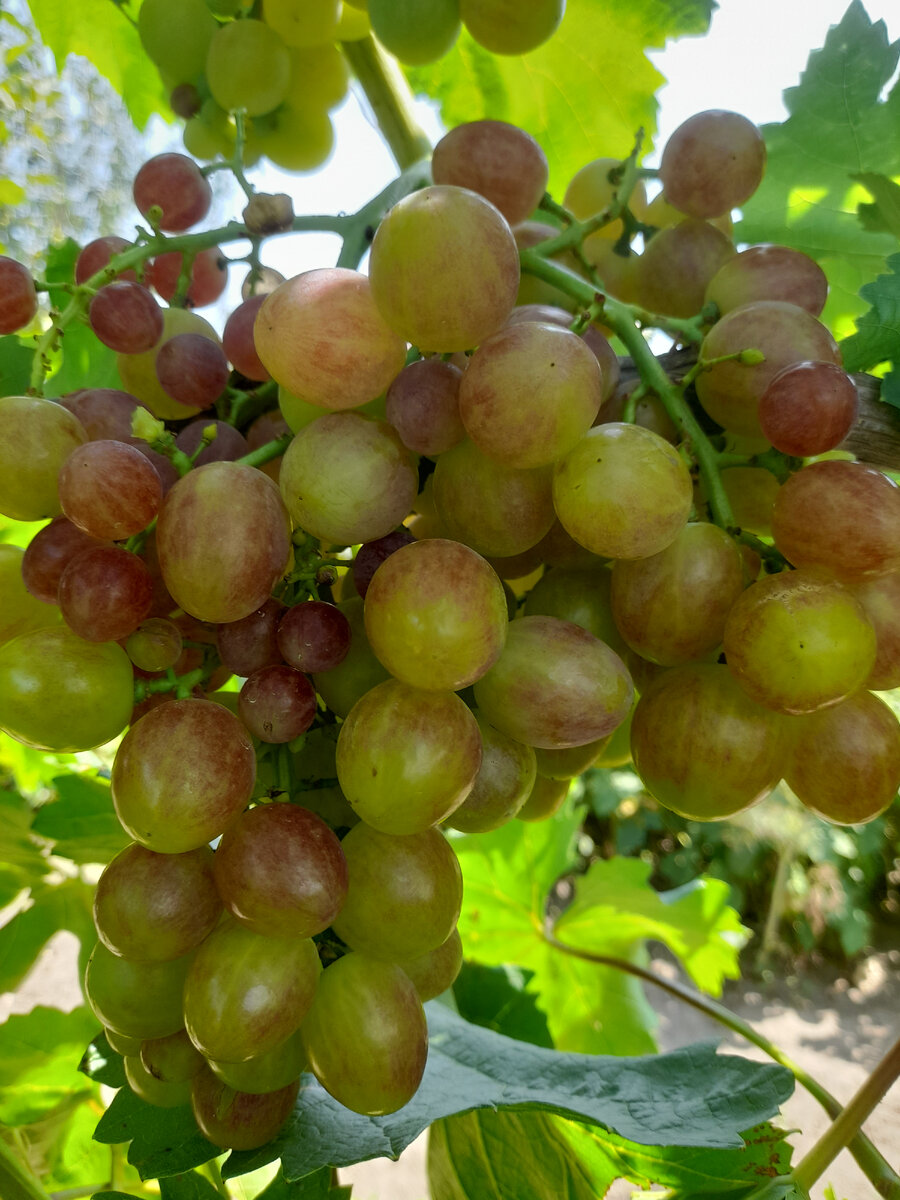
(81, 820)
(615, 906)
(312, 1187)
(38, 1056)
(102, 1064)
(495, 998)
(884, 215)
(584, 93)
(838, 128)
(81, 356)
(15, 366)
(688, 1097)
(189, 1186)
(164, 1141)
(96, 29)
(21, 860)
(66, 905)
(877, 337)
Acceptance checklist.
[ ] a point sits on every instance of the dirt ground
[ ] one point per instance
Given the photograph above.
(835, 1028)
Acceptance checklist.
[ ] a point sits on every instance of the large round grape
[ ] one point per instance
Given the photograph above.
(436, 615)
(414, 31)
(36, 438)
(555, 685)
(182, 774)
(321, 336)
(405, 893)
(239, 1120)
(248, 66)
(138, 999)
(844, 762)
(138, 371)
(622, 492)
(444, 268)
(347, 479)
(396, 790)
(502, 785)
(713, 162)
(246, 992)
(508, 27)
(176, 35)
(499, 161)
(61, 693)
(223, 538)
(702, 747)
(799, 641)
(366, 1035)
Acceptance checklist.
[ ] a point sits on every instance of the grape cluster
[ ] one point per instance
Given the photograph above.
(549, 573)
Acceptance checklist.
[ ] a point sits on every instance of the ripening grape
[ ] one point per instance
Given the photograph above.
(546, 798)
(713, 162)
(808, 408)
(171, 1059)
(109, 489)
(277, 704)
(47, 555)
(880, 597)
(104, 593)
(674, 271)
(769, 273)
(444, 268)
(422, 404)
(502, 785)
(126, 317)
(508, 27)
(435, 971)
(314, 636)
(174, 184)
(249, 643)
(499, 161)
(570, 761)
(192, 369)
(239, 1120)
(208, 276)
(248, 67)
(137, 999)
(237, 339)
(340, 687)
(590, 191)
(96, 254)
(36, 438)
(138, 371)
(371, 555)
(158, 1092)
(155, 645)
(263, 1073)
(18, 298)
(580, 594)
(226, 445)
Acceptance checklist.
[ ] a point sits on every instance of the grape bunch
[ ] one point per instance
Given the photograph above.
(454, 559)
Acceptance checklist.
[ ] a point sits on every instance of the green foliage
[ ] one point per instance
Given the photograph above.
(583, 94)
(53, 906)
(81, 820)
(38, 1061)
(838, 128)
(877, 337)
(15, 366)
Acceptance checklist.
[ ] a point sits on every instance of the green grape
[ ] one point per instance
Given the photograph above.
(436, 615)
(702, 747)
(751, 492)
(239, 1120)
(269, 1072)
(20, 612)
(209, 134)
(347, 479)
(298, 138)
(392, 789)
(139, 1000)
(138, 371)
(622, 492)
(319, 77)
(416, 31)
(122, 1044)
(36, 439)
(248, 67)
(405, 893)
(555, 685)
(498, 510)
(223, 539)
(61, 693)
(366, 1035)
(580, 595)
(303, 22)
(799, 641)
(590, 191)
(502, 785)
(444, 269)
(176, 34)
(344, 684)
(844, 761)
(434, 972)
(544, 800)
(509, 27)
(161, 1093)
(246, 992)
(572, 760)
(321, 336)
(172, 1059)
(617, 752)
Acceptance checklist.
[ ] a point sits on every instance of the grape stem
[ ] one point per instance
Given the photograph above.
(870, 1160)
(17, 1182)
(390, 99)
(621, 318)
(266, 452)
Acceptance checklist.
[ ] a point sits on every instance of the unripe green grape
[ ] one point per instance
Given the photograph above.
(176, 35)
(37, 437)
(590, 192)
(509, 27)
(172, 1059)
(416, 31)
(209, 135)
(622, 492)
(444, 269)
(319, 77)
(405, 893)
(343, 685)
(248, 67)
(545, 799)
(122, 1044)
(140, 1000)
(435, 971)
(298, 138)
(277, 1068)
(579, 595)
(158, 1092)
(366, 1035)
(303, 22)
(138, 371)
(502, 785)
(20, 612)
(61, 693)
(571, 761)
(799, 641)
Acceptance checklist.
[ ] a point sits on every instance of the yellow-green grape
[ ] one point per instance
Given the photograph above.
(20, 612)
(303, 22)
(36, 437)
(161, 1093)
(510, 27)
(589, 193)
(248, 67)
(416, 31)
(299, 139)
(228, 8)
(138, 371)
(176, 34)
(319, 77)
(209, 134)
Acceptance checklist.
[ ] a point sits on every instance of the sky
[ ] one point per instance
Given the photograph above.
(753, 51)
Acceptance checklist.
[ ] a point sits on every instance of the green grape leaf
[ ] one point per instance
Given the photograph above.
(102, 1064)
(66, 905)
(189, 1186)
(96, 29)
(21, 860)
(312, 1187)
(81, 820)
(838, 128)
(690, 1097)
(877, 337)
(615, 906)
(495, 998)
(164, 1141)
(60, 261)
(81, 356)
(884, 215)
(584, 93)
(15, 366)
(38, 1056)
